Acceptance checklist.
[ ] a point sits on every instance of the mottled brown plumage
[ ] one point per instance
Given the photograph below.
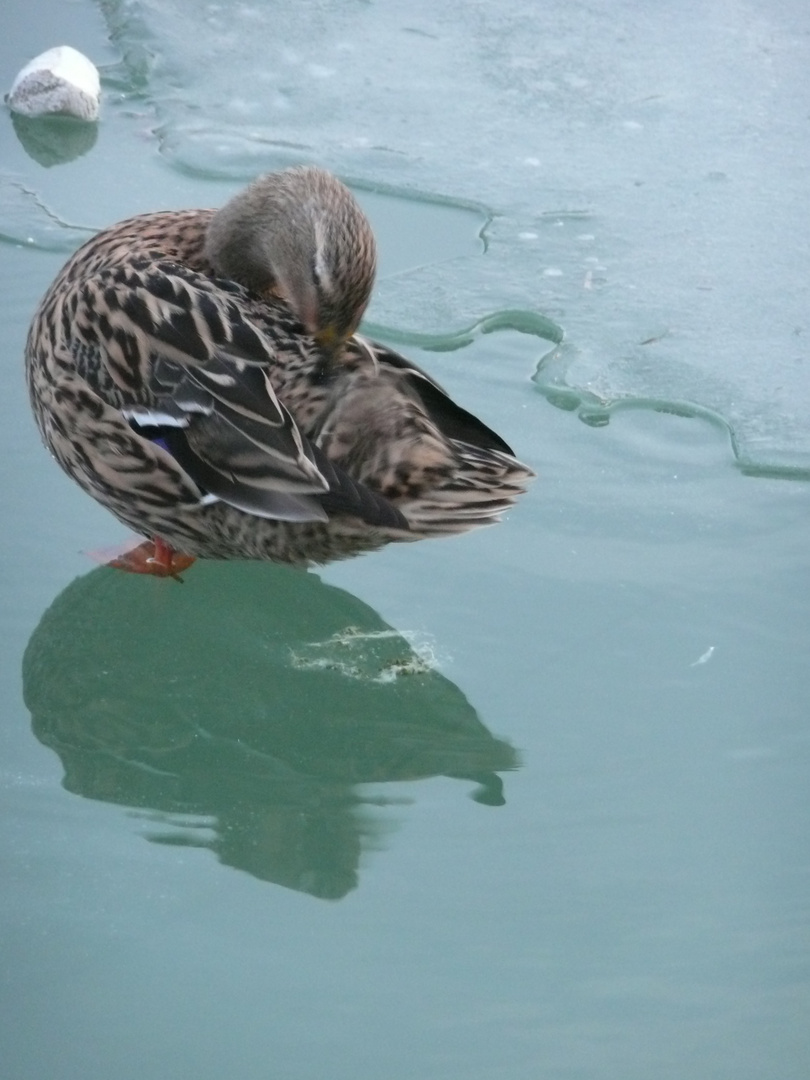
(198, 372)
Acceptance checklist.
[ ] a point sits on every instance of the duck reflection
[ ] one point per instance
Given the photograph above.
(242, 710)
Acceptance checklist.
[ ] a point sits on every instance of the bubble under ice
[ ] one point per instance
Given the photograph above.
(646, 167)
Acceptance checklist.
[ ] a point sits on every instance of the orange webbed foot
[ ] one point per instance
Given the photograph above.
(154, 557)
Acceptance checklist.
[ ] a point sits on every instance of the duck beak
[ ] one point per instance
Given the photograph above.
(329, 340)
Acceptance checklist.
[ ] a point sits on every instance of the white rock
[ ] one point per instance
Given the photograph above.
(61, 81)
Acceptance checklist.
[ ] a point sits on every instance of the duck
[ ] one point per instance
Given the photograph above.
(201, 374)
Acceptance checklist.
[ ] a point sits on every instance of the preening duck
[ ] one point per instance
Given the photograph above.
(200, 374)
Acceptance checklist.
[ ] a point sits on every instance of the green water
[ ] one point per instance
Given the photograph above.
(530, 803)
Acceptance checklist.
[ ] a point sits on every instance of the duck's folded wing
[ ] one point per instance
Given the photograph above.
(226, 464)
(174, 347)
(188, 369)
(236, 424)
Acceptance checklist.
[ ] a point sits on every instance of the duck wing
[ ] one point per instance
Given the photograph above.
(177, 353)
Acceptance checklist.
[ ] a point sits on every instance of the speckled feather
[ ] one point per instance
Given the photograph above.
(283, 435)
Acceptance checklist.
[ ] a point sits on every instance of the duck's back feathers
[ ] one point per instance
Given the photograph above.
(449, 417)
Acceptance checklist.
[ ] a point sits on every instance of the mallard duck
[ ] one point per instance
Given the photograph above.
(199, 372)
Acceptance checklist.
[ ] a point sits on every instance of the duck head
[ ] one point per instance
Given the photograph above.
(301, 235)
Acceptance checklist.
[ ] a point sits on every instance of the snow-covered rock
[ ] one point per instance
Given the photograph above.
(61, 81)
